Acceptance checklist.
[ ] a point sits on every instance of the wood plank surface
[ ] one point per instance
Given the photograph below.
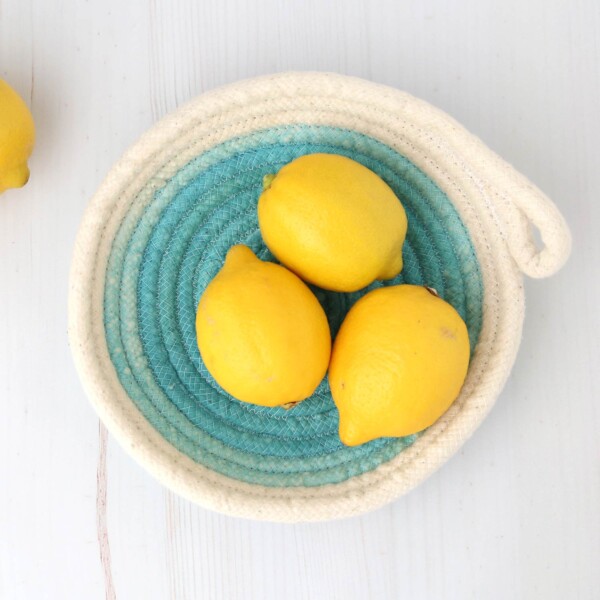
(513, 515)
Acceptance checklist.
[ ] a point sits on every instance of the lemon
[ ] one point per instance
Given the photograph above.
(17, 134)
(398, 362)
(333, 222)
(262, 333)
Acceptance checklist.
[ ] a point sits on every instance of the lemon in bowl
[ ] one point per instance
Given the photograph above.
(262, 333)
(333, 221)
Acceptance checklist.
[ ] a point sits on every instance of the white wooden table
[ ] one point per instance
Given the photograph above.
(514, 515)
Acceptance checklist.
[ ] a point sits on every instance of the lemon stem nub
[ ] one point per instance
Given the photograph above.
(268, 180)
(290, 405)
(14, 178)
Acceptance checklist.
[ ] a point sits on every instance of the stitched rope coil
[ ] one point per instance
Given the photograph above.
(156, 232)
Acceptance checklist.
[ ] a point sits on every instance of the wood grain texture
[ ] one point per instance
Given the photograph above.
(101, 521)
(513, 515)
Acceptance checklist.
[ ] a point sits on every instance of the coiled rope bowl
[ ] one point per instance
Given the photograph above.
(158, 229)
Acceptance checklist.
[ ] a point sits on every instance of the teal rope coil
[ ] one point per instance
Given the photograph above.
(161, 262)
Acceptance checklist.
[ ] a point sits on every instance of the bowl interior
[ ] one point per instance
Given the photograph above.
(163, 258)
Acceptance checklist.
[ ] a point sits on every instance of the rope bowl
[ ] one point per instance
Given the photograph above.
(157, 232)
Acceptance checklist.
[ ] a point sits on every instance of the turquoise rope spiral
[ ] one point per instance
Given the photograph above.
(161, 262)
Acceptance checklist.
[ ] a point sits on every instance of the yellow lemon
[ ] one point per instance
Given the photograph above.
(398, 362)
(333, 222)
(17, 134)
(262, 333)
